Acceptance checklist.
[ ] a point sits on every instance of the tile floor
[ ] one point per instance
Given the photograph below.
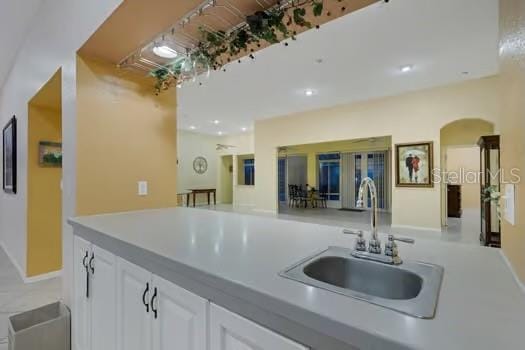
(16, 296)
(465, 230)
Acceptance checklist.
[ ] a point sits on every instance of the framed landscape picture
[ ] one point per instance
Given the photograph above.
(9, 156)
(414, 164)
(50, 154)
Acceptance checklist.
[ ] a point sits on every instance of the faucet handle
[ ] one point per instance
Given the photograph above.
(360, 243)
(392, 238)
(358, 233)
(391, 246)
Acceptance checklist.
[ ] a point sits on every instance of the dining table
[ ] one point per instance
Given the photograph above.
(195, 191)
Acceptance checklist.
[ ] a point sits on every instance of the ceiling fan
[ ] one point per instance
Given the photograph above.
(222, 147)
(369, 140)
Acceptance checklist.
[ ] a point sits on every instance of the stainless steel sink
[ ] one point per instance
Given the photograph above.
(411, 288)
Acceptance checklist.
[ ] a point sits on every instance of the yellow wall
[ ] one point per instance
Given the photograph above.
(44, 202)
(125, 134)
(468, 159)
(512, 23)
(465, 132)
(243, 196)
(346, 146)
(416, 116)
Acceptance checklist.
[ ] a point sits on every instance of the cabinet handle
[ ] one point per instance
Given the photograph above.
(153, 299)
(91, 263)
(144, 301)
(84, 262)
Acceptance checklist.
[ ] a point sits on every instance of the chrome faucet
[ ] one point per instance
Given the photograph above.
(374, 245)
(391, 255)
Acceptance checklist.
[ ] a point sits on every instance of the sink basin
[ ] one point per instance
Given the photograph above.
(361, 276)
(411, 288)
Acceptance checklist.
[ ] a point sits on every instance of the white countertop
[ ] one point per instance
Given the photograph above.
(480, 304)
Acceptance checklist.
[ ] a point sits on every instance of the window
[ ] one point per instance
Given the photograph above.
(249, 172)
(281, 166)
(329, 175)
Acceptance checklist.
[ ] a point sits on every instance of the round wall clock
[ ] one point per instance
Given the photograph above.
(200, 165)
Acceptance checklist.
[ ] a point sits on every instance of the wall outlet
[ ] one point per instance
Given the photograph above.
(142, 188)
(510, 202)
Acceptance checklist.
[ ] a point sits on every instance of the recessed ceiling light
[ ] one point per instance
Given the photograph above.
(244, 129)
(165, 51)
(216, 122)
(309, 92)
(219, 133)
(407, 68)
(193, 127)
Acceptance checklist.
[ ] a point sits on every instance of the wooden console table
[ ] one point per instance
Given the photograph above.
(208, 191)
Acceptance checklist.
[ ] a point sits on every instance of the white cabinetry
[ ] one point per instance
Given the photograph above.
(118, 305)
(182, 319)
(81, 313)
(155, 314)
(94, 312)
(133, 307)
(229, 331)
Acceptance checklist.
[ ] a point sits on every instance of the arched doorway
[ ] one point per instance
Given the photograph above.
(460, 158)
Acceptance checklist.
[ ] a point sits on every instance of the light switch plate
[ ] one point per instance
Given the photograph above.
(142, 188)
(510, 199)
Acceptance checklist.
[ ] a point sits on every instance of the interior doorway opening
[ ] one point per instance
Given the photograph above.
(44, 180)
(461, 191)
(226, 180)
(323, 179)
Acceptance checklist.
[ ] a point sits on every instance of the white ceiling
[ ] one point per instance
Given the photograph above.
(15, 21)
(362, 54)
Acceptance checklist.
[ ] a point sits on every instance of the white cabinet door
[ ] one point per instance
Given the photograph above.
(103, 269)
(179, 318)
(134, 292)
(81, 305)
(229, 331)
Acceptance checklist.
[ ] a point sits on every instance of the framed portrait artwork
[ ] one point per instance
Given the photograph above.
(414, 164)
(9, 156)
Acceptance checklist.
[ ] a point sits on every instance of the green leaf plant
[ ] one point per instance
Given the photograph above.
(261, 28)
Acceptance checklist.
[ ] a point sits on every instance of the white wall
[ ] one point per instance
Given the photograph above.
(58, 31)
(192, 144)
(189, 146)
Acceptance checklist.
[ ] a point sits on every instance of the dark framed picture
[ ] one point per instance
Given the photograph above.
(9, 156)
(50, 154)
(414, 164)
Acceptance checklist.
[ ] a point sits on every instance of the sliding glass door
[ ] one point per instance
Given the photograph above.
(357, 166)
(281, 176)
(330, 177)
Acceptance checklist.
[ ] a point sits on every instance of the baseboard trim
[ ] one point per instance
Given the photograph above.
(265, 211)
(418, 228)
(33, 279)
(512, 271)
(43, 277)
(21, 271)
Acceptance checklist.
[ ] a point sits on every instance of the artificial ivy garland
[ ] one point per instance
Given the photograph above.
(216, 49)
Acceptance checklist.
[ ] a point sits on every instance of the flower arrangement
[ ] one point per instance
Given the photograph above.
(491, 194)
